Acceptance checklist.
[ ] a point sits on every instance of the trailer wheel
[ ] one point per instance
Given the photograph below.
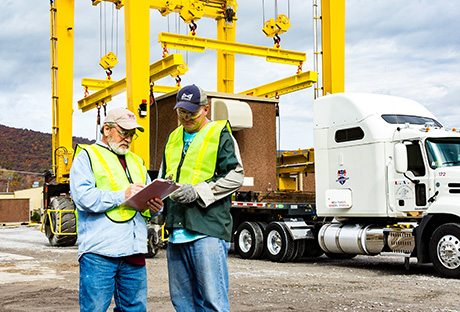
(153, 242)
(445, 250)
(65, 220)
(279, 246)
(263, 226)
(249, 240)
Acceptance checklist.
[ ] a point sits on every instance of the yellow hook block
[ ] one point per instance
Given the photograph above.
(274, 27)
(270, 28)
(108, 61)
(192, 11)
(282, 23)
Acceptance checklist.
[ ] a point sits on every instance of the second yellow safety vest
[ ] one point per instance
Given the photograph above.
(199, 163)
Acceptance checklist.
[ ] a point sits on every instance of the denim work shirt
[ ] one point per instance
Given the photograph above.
(96, 232)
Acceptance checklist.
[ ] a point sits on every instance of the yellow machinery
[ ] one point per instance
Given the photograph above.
(292, 166)
(59, 221)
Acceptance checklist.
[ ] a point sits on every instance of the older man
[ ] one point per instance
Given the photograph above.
(112, 238)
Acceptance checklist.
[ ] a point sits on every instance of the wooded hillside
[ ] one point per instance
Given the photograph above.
(25, 150)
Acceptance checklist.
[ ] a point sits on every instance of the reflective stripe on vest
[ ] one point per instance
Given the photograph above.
(199, 163)
(110, 176)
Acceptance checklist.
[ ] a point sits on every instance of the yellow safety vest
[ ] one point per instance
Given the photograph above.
(199, 163)
(110, 176)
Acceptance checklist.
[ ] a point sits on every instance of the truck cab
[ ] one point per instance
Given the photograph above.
(388, 173)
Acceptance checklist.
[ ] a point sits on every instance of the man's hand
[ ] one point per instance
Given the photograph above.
(133, 189)
(185, 194)
(155, 205)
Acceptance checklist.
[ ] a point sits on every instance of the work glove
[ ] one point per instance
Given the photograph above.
(185, 194)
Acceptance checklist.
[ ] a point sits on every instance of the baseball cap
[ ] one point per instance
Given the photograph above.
(191, 98)
(124, 118)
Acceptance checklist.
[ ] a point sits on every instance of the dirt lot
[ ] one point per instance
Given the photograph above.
(37, 277)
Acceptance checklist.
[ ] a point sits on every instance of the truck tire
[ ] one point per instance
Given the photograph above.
(312, 249)
(262, 225)
(299, 249)
(249, 240)
(66, 219)
(279, 245)
(153, 242)
(445, 250)
(292, 246)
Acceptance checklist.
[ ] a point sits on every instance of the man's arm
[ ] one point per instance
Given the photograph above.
(229, 172)
(83, 188)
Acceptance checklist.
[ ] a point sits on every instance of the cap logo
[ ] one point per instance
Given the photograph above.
(186, 97)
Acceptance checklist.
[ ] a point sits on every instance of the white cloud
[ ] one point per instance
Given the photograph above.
(406, 48)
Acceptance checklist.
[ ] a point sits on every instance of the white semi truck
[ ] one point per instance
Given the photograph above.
(387, 182)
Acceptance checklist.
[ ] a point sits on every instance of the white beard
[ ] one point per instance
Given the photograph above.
(116, 148)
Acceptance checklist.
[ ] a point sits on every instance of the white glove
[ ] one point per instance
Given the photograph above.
(185, 194)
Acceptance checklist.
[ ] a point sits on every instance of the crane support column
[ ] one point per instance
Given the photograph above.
(137, 34)
(226, 31)
(333, 45)
(62, 39)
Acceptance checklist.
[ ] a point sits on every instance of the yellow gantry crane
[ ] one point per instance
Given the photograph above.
(59, 221)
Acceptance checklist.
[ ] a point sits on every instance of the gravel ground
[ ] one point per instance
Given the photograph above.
(37, 277)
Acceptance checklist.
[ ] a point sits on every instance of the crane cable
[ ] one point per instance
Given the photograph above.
(103, 36)
(153, 102)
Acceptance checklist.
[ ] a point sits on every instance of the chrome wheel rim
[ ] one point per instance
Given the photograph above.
(245, 241)
(448, 250)
(274, 242)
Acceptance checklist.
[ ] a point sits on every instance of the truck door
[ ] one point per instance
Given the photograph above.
(415, 182)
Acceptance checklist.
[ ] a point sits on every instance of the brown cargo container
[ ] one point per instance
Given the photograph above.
(257, 144)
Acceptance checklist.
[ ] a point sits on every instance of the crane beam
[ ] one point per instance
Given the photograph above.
(285, 85)
(210, 8)
(98, 84)
(171, 65)
(198, 44)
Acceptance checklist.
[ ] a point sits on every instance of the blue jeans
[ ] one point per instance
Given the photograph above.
(103, 277)
(198, 275)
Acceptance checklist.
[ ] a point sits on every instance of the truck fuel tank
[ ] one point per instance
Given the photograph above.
(351, 239)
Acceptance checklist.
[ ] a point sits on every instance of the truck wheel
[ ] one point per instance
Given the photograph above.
(153, 242)
(445, 250)
(292, 246)
(312, 249)
(299, 249)
(66, 221)
(263, 226)
(279, 245)
(249, 240)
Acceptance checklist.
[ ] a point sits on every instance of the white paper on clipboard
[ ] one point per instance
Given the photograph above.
(159, 188)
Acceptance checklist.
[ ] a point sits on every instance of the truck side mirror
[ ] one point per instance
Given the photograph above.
(400, 158)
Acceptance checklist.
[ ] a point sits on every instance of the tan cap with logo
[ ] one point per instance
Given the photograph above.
(124, 118)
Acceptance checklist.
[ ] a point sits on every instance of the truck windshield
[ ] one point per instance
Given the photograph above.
(443, 152)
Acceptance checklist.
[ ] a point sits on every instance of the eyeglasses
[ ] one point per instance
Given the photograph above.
(126, 133)
(184, 114)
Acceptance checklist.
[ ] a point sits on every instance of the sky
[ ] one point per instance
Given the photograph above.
(407, 48)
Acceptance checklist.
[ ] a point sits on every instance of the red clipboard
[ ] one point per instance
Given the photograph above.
(159, 188)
